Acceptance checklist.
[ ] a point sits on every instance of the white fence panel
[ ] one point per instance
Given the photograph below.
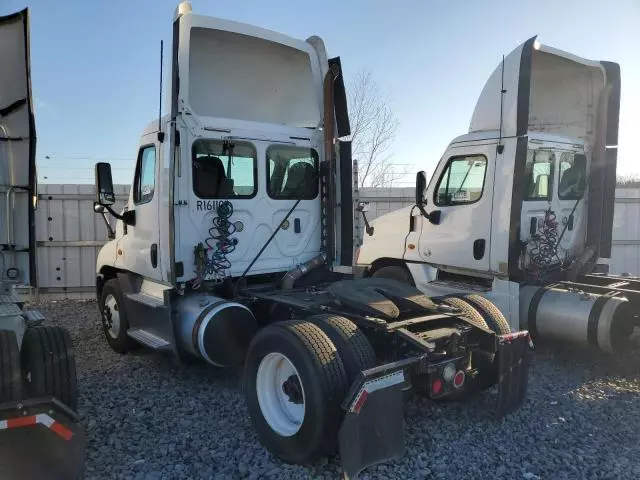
(69, 233)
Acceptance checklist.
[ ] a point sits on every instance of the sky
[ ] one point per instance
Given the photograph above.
(95, 65)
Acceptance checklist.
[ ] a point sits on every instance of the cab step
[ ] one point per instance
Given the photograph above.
(149, 339)
(148, 300)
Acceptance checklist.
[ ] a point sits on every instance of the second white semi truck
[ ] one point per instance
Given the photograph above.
(519, 210)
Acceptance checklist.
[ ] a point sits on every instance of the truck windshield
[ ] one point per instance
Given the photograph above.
(224, 169)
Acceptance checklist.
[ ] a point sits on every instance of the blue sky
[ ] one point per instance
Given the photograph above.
(95, 64)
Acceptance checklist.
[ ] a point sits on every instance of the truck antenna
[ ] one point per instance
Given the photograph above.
(500, 147)
(160, 132)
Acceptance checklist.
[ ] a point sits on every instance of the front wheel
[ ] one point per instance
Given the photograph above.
(114, 318)
(294, 384)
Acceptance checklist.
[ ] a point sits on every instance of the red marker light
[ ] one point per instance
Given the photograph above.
(436, 386)
(458, 380)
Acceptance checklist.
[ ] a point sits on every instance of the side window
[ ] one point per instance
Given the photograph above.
(224, 169)
(462, 181)
(539, 172)
(145, 181)
(573, 176)
(292, 172)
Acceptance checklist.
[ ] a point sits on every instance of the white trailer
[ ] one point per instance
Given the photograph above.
(40, 436)
(236, 247)
(520, 209)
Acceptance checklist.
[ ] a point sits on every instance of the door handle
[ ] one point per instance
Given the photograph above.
(154, 255)
(478, 248)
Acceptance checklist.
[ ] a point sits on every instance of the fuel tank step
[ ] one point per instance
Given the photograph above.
(148, 339)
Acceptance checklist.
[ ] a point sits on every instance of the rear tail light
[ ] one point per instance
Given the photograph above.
(458, 379)
(436, 387)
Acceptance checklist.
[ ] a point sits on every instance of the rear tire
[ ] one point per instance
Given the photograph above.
(492, 315)
(482, 361)
(297, 418)
(49, 364)
(467, 310)
(353, 346)
(394, 272)
(114, 318)
(10, 371)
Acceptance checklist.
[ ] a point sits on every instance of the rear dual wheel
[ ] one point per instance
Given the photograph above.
(48, 364)
(484, 314)
(297, 374)
(294, 384)
(10, 371)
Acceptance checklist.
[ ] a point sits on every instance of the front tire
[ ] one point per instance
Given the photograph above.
(295, 382)
(114, 318)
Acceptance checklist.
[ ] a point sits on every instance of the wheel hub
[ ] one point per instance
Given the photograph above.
(111, 316)
(280, 394)
(293, 389)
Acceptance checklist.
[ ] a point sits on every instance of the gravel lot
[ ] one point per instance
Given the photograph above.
(148, 418)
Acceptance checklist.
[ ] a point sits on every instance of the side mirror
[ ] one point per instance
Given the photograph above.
(421, 188)
(104, 185)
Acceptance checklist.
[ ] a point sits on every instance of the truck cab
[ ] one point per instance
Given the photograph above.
(525, 197)
(247, 136)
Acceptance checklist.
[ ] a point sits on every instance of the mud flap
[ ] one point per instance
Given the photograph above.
(40, 438)
(512, 358)
(373, 427)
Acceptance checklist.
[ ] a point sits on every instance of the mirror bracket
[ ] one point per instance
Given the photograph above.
(111, 234)
(363, 207)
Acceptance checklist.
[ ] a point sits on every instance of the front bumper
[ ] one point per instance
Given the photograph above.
(373, 429)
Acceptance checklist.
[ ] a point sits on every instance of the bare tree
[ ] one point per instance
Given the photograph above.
(373, 130)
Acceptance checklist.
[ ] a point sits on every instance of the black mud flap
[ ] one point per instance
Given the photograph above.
(373, 427)
(513, 357)
(40, 439)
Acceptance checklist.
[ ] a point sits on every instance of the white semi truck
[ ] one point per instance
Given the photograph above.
(40, 435)
(236, 247)
(520, 209)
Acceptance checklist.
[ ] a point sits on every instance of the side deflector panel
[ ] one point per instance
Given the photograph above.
(17, 151)
(602, 184)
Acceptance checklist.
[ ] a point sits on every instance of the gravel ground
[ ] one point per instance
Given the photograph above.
(148, 418)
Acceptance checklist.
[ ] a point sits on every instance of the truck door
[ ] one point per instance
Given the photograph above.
(462, 190)
(140, 242)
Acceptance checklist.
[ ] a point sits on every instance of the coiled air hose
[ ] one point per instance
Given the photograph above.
(211, 258)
